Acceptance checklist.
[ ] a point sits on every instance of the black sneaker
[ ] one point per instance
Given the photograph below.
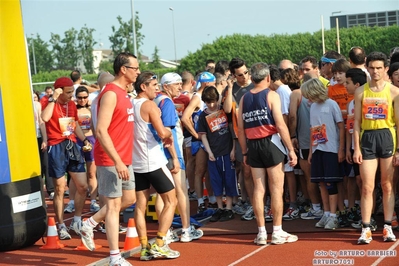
(352, 215)
(201, 208)
(217, 215)
(212, 205)
(227, 216)
(342, 219)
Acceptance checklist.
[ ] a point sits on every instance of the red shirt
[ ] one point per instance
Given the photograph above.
(54, 133)
(181, 103)
(120, 129)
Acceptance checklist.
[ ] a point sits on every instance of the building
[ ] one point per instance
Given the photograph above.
(381, 19)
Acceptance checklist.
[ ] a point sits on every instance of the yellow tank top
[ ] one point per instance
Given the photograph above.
(377, 109)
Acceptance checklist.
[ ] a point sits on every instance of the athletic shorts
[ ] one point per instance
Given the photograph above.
(263, 153)
(88, 156)
(187, 142)
(222, 174)
(109, 183)
(377, 144)
(325, 167)
(303, 154)
(65, 157)
(161, 179)
(195, 146)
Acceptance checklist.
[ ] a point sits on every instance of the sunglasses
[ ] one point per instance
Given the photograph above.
(241, 75)
(153, 77)
(83, 97)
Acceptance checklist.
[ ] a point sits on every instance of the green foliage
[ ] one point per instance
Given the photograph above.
(122, 37)
(272, 49)
(85, 45)
(156, 63)
(44, 77)
(107, 66)
(43, 58)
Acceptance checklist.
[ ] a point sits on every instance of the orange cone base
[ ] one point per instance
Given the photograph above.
(50, 244)
(82, 247)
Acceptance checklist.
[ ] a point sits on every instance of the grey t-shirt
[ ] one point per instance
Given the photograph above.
(329, 114)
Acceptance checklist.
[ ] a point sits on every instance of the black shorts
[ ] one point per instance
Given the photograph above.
(161, 179)
(377, 143)
(355, 166)
(263, 153)
(325, 167)
(303, 154)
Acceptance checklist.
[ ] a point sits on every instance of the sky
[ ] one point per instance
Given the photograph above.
(192, 22)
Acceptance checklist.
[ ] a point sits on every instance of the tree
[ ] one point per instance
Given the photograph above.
(85, 44)
(43, 58)
(272, 49)
(122, 38)
(107, 66)
(65, 51)
(156, 63)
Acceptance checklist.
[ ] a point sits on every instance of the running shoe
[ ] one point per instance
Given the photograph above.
(70, 208)
(291, 214)
(239, 208)
(227, 215)
(268, 214)
(332, 223)
(359, 225)
(322, 222)
(387, 234)
(201, 208)
(343, 219)
(217, 215)
(365, 237)
(75, 226)
(119, 262)
(394, 222)
(192, 195)
(164, 251)
(312, 214)
(86, 234)
(260, 239)
(192, 234)
(63, 233)
(101, 228)
(94, 207)
(145, 254)
(249, 214)
(281, 237)
(171, 236)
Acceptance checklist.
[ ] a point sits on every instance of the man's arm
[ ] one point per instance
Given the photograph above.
(241, 132)
(188, 124)
(228, 102)
(357, 155)
(295, 98)
(47, 112)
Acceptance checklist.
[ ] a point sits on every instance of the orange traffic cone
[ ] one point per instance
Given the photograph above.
(53, 241)
(205, 191)
(83, 247)
(132, 238)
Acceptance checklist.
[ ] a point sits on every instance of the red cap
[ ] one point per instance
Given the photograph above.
(63, 82)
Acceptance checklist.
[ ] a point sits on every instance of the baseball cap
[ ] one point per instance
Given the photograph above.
(170, 78)
(205, 77)
(63, 82)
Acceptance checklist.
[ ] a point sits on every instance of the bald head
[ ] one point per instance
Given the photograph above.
(285, 63)
(104, 78)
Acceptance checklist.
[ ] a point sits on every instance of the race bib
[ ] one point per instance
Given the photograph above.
(350, 122)
(319, 134)
(84, 121)
(375, 108)
(217, 120)
(179, 108)
(67, 125)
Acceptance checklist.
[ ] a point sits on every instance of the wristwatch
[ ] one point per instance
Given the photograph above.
(51, 100)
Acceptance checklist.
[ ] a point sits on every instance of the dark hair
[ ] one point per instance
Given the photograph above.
(79, 90)
(333, 55)
(274, 73)
(221, 67)
(142, 79)
(186, 76)
(377, 56)
(48, 88)
(357, 55)
(235, 63)
(392, 68)
(394, 58)
(290, 77)
(75, 75)
(357, 75)
(37, 94)
(310, 59)
(121, 60)
(209, 61)
(341, 65)
(210, 94)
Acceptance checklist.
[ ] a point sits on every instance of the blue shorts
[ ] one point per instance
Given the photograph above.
(89, 156)
(325, 167)
(222, 174)
(65, 157)
(195, 146)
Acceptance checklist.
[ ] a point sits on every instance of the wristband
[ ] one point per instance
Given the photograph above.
(293, 137)
(245, 154)
(85, 140)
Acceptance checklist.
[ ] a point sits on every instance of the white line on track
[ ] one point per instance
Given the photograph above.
(249, 255)
(381, 258)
